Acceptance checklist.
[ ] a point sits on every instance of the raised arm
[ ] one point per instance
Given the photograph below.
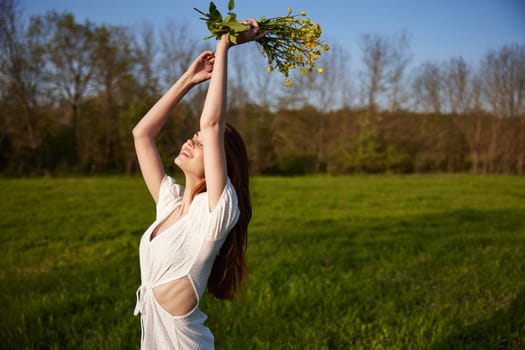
(148, 128)
(212, 124)
(212, 121)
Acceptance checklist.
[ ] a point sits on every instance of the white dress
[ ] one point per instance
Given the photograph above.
(186, 249)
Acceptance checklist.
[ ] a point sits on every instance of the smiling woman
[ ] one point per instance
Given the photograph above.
(191, 156)
(198, 238)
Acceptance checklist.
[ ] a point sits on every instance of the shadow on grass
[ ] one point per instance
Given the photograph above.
(414, 266)
(355, 242)
(504, 330)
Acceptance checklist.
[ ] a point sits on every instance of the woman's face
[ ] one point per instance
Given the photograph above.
(191, 158)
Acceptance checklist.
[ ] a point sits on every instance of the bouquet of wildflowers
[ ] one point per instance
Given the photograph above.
(292, 42)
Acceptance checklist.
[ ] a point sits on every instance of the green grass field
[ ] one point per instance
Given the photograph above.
(364, 262)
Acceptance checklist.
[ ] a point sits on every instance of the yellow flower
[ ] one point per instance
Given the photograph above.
(320, 70)
(294, 41)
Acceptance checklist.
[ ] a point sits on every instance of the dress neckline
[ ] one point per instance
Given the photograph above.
(154, 235)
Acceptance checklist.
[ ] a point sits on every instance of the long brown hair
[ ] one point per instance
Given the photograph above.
(229, 270)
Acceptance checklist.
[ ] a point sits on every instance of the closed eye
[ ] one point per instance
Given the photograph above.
(196, 140)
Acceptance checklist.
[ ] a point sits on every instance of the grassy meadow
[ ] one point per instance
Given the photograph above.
(361, 262)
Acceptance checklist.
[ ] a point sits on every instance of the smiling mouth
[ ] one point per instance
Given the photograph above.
(186, 154)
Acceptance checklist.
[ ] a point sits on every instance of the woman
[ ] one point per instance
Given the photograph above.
(199, 235)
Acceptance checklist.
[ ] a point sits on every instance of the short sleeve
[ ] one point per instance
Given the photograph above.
(216, 224)
(170, 194)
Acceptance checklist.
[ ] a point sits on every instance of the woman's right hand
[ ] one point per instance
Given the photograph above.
(201, 69)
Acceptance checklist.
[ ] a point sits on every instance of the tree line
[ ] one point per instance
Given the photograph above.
(71, 92)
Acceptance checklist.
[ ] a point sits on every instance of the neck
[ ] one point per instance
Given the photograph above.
(191, 184)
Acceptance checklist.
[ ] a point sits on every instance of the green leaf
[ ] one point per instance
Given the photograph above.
(233, 16)
(237, 27)
(211, 25)
(214, 13)
(233, 38)
(199, 11)
(231, 4)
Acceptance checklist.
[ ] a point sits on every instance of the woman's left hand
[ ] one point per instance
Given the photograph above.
(253, 33)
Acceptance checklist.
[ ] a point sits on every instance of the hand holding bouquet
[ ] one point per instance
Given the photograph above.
(291, 41)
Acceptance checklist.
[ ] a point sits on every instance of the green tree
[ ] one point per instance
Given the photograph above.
(70, 52)
(116, 88)
(22, 69)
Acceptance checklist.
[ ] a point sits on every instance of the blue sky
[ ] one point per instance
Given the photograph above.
(439, 29)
